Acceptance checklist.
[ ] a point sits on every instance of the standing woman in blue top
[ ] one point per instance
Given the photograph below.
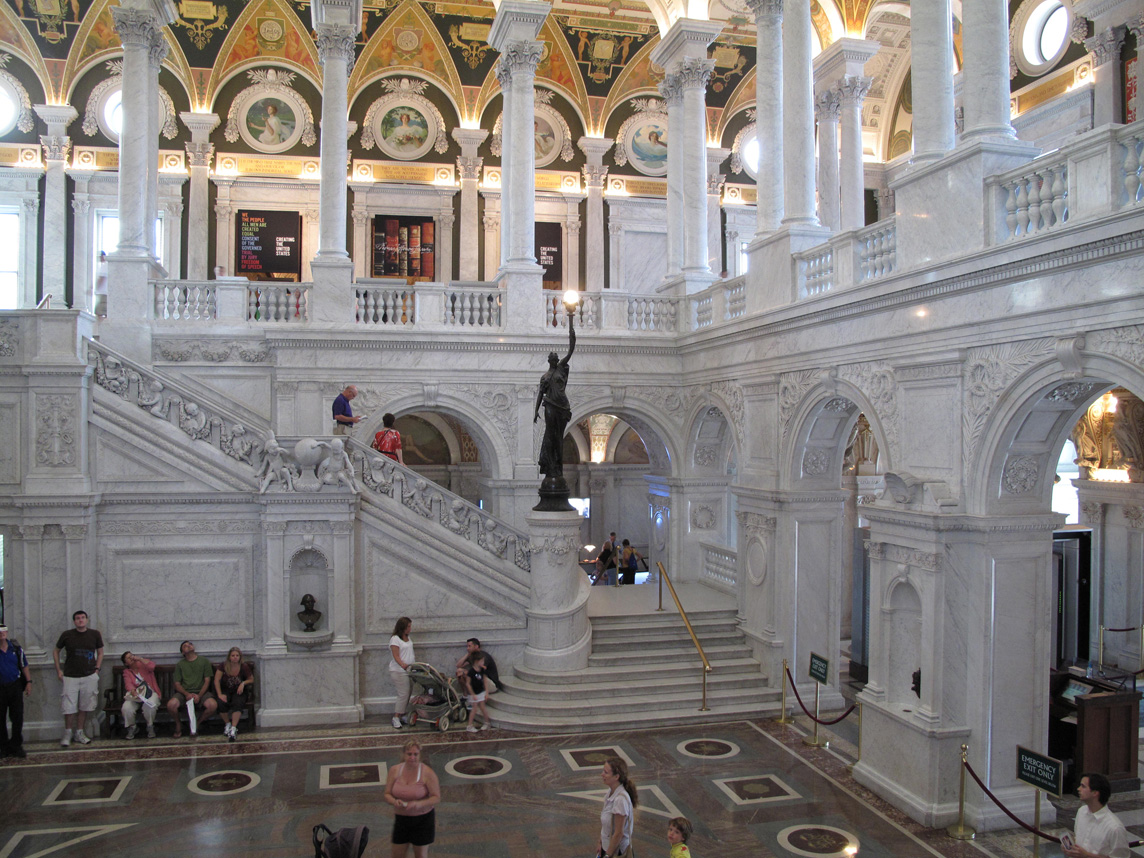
(344, 419)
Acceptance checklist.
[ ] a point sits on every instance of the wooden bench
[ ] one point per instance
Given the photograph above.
(165, 676)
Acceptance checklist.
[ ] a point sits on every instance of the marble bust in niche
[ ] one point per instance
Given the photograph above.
(309, 615)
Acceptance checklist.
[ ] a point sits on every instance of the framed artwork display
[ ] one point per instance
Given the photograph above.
(646, 145)
(553, 138)
(404, 124)
(269, 116)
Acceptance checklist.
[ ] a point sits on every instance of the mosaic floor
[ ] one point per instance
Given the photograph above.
(751, 788)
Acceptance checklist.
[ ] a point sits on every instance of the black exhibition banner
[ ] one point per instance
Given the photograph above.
(550, 254)
(269, 245)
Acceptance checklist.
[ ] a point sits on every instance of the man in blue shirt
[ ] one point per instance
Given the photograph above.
(344, 419)
(15, 684)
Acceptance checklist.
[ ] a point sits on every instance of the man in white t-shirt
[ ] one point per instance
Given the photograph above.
(1098, 833)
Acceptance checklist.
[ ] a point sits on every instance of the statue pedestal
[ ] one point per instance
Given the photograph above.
(553, 495)
(559, 634)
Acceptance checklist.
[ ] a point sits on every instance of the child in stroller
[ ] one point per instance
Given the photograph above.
(440, 700)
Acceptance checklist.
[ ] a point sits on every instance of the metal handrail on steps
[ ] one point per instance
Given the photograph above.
(702, 655)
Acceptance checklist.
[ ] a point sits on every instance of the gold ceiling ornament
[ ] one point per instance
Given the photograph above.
(194, 15)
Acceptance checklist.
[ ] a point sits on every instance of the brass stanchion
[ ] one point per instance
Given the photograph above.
(961, 831)
(858, 759)
(1142, 647)
(705, 707)
(814, 741)
(1037, 825)
(660, 579)
(1100, 657)
(783, 719)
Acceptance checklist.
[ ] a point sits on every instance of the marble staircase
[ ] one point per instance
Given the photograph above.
(644, 671)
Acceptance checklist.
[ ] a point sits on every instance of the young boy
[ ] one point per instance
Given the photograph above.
(678, 830)
(475, 685)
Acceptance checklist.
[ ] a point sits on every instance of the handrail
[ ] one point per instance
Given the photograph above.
(702, 655)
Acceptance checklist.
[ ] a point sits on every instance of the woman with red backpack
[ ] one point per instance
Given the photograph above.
(388, 440)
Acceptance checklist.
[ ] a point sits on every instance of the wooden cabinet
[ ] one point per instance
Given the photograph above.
(1107, 736)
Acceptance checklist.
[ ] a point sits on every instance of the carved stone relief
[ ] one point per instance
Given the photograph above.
(793, 387)
(56, 434)
(1020, 476)
(702, 517)
(880, 387)
(988, 372)
(1092, 513)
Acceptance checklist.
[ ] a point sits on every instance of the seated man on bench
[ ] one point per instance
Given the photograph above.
(193, 677)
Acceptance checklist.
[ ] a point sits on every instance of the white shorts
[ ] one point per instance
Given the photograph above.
(80, 694)
(478, 698)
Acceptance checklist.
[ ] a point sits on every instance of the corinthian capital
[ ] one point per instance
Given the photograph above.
(335, 42)
(55, 148)
(135, 27)
(200, 154)
(694, 72)
(519, 58)
(672, 90)
(469, 168)
(827, 106)
(594, 176)
(854, 87)
(1105, 46)
(766, 9)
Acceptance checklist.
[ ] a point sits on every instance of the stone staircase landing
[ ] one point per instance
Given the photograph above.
(644, 670)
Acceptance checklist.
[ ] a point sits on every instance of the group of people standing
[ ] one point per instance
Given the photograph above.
(617, 564)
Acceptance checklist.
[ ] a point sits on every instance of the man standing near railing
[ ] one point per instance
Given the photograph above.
(343, 414)
(1099, 834)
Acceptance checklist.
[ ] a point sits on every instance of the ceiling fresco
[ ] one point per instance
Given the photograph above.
(596, 53)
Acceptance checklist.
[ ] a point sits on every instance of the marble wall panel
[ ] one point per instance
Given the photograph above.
(644, 263)
(931, 432)
(399, 582)
(190, 588)
(11, 419)
(817, 614)
(120, 463)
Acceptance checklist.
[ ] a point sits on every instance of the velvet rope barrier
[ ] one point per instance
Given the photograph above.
(1004, 809)
(808, 715)
(1129, 629)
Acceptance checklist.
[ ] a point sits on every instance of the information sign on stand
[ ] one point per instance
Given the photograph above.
(819, 668)
(1045, 773)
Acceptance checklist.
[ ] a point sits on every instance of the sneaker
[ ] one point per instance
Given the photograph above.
(130, 732)
(485, 726)
(82, 738)
(150, 731)
(471, 729)
(233, 733)
(65, 742)
(396, 723)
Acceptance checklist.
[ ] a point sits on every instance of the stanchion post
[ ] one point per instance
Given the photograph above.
(1142, 647)
(1037, 825)
(814, 741)
(783, 719)
(704, 707)
(961, 831)
(858, 759)
(1100, 657)
(660, 608)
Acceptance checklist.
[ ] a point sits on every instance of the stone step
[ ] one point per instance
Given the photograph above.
(665, 620)
(508, 704)
(667, 653)
(632, 713)
(617, 684)
(634, 672)
(605, 644)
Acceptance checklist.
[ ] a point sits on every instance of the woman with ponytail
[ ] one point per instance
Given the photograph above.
(616, 820)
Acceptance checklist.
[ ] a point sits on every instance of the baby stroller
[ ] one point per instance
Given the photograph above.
(440, 701)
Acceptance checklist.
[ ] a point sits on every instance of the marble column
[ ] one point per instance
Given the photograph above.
(83, 274)
(595, 174)
(798, 114)
(827, 106)
(444, 249)
(139, 32)
(769, 112)
(469, 169)
(672, 94)
(56, 145)
(516, 73)
(682, 53)
(200, 153)
(491, 223)
(985, 70)
(851, 177)
(715, 180)
(931, 48)
(1108, 88)
(336, 54)
(155, 56)
(694, 74)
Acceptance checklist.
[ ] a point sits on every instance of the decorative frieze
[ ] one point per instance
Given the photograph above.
(56, 434)
(911, 557)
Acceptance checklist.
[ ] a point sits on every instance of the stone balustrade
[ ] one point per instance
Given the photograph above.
(718, 569)
(723, 301)
(382, 475)
(815, 271)
(277, 302)
(185, 300)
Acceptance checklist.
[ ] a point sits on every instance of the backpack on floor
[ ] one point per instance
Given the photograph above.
(343, 843)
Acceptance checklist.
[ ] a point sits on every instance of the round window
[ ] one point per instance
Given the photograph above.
(9, 107)
(1042, 30)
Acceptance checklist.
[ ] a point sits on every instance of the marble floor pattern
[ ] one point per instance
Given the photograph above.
(751, 788)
